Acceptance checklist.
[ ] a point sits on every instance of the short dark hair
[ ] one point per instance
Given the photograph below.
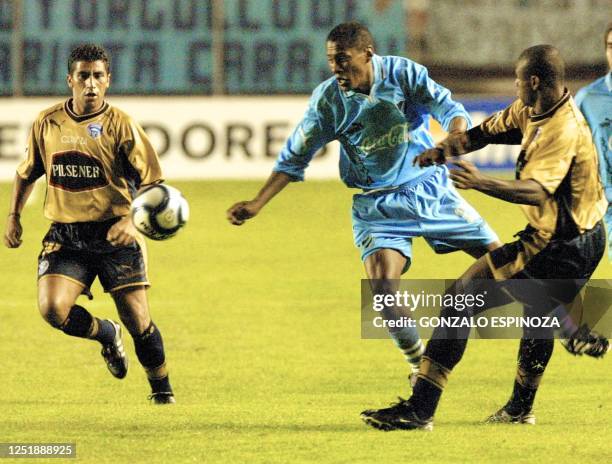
(545, 62)
(350, 35)
(608, 30)
(89, 53)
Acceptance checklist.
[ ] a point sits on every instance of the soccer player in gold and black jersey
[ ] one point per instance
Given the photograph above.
(94, 158)
(558, 187)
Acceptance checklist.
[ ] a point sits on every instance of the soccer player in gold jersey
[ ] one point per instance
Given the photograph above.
(559, 190)
(94, 158)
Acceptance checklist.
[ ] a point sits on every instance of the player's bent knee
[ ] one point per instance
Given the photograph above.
(54, 310)
(135, 322)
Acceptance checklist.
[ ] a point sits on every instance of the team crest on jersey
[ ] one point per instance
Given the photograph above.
(95, 130)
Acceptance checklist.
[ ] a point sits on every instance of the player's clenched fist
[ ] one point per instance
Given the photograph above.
(242, 211)
(457, 143)
(122, 233)
(429, 158)
(13, 231)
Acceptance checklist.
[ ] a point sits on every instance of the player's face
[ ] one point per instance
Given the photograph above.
(351, 66)
(89, 81)
(609, 50)
(524, 90)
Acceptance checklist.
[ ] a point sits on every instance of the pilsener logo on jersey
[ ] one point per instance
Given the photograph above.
(75, 171)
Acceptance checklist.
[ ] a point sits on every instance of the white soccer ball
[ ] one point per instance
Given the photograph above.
(159, 211)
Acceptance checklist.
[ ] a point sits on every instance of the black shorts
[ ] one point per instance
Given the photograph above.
(80, 252)
(561, 265)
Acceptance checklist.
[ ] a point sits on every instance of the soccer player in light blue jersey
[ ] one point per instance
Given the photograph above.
(595, 102)
(378, 108)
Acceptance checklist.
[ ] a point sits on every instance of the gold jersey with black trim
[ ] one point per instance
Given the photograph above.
(557, 151)
(93, 163)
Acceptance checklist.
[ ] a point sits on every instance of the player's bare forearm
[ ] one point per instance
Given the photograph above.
(22, 188)
(524, 192)
(275, 183)
(238, 213)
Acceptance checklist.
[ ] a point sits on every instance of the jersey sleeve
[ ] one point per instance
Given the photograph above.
(550, 161)
(134, 144)
(503, 127)
(510, 118)
(310, 135)
(435, 98)
(32, 167)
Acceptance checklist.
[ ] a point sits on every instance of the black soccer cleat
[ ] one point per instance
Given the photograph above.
(586, 341)
(504, 417)
(114, 354)
(162, 398)
(400, 416)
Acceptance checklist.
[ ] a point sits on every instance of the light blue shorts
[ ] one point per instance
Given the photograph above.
(429, 207)
(608, 221)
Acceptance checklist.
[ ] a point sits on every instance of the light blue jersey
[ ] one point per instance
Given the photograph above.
(381, 133)
(595, 102)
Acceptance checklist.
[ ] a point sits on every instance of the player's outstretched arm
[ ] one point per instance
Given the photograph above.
(455, 144)
(22, 188)
(524, 191)
(238, 213)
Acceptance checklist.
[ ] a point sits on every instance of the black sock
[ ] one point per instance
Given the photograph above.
(521, 400)
(425, 398)
(440, 357)
(150, 352)
(79, 323)
(160, 385)
(105, 333)
(533, 357)
(431, 380)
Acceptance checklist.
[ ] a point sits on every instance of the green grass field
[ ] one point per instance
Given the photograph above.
(262, 332)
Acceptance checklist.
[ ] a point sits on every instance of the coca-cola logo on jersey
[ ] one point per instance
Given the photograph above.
(75, 171)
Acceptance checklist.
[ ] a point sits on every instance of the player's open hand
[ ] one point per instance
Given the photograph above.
(13, 231)
(241, 211)
(122, 232)
(467, 176)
